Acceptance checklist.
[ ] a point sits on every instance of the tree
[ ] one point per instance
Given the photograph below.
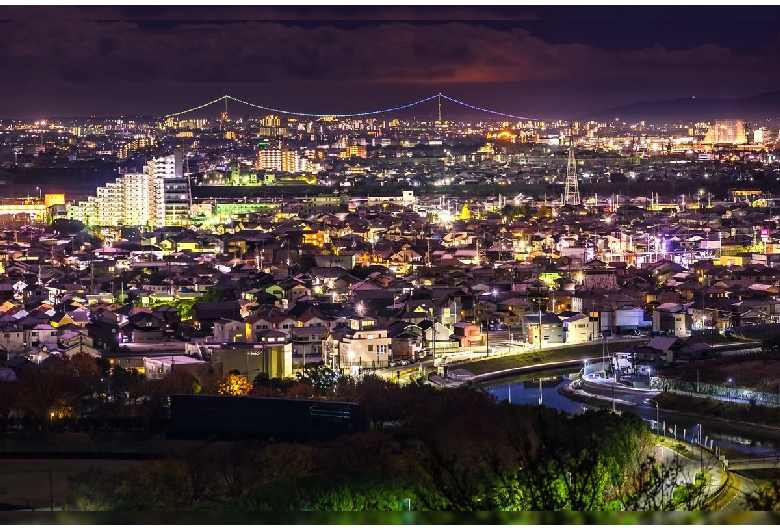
(66, 226)
(48, 390)
(461, 466)
(8, 397)
(183, 306)
(93, 489)
(234, 385)
(154, 486)
(321, 376)
(767, 498)
(124, 381)
(302, 389)
(771, 343)
(465, 213)
(159, 392)
(617, 177)
(212, 294)
(379, 398)
(306, 262)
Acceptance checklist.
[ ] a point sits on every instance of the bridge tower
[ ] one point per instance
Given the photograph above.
(223, 116)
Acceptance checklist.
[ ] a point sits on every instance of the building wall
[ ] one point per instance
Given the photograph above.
(276, 361)
(551, 334)
(581, 331)
(157, 197)
(258, 417)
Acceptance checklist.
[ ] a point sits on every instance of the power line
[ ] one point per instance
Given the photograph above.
(348, 115)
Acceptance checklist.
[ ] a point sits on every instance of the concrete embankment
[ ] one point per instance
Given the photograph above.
(511, 372)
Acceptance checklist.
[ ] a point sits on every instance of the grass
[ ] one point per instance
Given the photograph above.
(676, 446)
(685, 494)
(754, 371)
(719, 409)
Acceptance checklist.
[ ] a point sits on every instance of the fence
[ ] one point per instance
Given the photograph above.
(91, 449)
(727, 393)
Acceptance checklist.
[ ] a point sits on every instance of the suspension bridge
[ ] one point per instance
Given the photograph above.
(224, 99)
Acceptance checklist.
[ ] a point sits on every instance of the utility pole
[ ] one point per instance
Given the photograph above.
(433, 310)
(487, 340)
(540, 326)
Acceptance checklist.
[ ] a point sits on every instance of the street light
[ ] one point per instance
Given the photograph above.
(540, 327)
(656, 413)
(701, 451)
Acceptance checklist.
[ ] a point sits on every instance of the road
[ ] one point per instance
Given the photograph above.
(676, 470)
(500, 346)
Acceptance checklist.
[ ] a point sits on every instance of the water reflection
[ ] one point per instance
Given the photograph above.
(527, 391)
(524, 390)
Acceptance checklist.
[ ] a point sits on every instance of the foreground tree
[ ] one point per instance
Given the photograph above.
(233, 385)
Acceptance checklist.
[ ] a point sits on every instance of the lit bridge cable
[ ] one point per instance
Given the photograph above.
(463, 103)
(171, 115)
(348, 115)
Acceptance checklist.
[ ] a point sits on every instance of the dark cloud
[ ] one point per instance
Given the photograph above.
(186, 50)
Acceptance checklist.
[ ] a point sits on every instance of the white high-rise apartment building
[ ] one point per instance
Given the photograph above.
(160, 196)
(269, 159)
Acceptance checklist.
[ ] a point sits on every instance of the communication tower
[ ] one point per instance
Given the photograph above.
(571, 191)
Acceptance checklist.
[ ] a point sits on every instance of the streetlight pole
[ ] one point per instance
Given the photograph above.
(701, 451)
(487, 334)
(656, 413)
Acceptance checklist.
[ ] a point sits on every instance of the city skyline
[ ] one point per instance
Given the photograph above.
(537, 61)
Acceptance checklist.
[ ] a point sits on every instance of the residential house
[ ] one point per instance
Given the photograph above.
(226, 331)
(206, 313)
(362, 344)
(544, 329)
(405, 341)
(580, 328)
(672, 319)
(308, 340)
(668, 348)
(42, 335)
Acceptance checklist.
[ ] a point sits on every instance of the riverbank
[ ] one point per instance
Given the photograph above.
(632, 400)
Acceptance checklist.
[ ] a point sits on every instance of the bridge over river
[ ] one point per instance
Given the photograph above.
(758, 461)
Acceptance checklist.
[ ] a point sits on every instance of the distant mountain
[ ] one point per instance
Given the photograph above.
(758, 107)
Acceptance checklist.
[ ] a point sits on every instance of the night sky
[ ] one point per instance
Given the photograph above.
(538, 61)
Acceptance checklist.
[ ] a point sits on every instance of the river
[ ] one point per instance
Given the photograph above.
(730, 438)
